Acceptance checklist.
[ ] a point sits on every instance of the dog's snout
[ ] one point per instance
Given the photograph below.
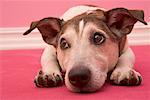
(79, 76)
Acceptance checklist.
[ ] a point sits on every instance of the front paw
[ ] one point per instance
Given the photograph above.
(48, 80)
(126, 77)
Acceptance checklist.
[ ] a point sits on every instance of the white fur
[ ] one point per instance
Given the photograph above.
(49, 61)
(124, 66)
(81, 26)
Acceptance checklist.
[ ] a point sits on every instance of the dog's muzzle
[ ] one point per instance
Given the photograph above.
(79, 76)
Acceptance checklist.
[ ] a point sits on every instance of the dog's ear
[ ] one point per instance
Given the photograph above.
(121, 21)
(49, 29)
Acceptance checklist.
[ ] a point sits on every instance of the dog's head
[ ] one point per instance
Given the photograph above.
(88, 44)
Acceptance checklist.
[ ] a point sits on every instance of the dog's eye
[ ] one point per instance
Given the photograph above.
(63, 44)
(98, 38)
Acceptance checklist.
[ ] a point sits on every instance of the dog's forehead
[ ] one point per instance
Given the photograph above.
(78, 22)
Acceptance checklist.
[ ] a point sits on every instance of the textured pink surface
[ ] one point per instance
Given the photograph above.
(18, 68)
(19, 13)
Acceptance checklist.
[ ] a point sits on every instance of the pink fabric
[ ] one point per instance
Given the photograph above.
(19, 67)
(19, 13)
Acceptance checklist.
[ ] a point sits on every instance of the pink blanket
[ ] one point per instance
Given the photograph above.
(19, 67)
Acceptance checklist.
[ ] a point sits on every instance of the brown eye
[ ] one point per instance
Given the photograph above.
(63, 44)
(98, 38)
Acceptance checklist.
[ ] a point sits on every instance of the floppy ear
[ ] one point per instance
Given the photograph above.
(121, 21)
(49, 29)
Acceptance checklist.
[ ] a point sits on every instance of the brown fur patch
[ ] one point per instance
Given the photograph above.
(96, 17)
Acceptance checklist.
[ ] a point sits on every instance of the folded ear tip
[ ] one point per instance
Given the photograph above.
(27, 32)
(145, 23)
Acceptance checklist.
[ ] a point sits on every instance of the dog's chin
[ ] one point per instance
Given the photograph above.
(96, 82)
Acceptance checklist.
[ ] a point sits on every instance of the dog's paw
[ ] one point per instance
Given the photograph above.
(48, 80)
(126, 77)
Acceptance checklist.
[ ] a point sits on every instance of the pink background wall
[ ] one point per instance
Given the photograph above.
(19, 13)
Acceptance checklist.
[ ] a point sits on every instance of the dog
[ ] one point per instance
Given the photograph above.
(86, 44)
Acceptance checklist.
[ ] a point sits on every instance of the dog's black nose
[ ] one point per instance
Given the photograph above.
(79, 76)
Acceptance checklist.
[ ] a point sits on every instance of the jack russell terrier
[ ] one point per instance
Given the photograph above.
(86, 44)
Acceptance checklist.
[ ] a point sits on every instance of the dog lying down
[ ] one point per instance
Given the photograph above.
(87, 43)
